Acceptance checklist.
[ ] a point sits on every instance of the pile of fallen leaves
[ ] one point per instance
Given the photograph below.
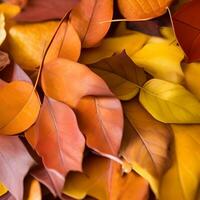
(99, 99)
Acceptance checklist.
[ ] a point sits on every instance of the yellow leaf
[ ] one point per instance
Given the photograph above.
(170, 102)
(192, 74)
(130, 43)
(19, 107)
(161, 59)
(168, 33)
(27, 43)
(3, 189)
(182, 180)
(122, 30)
(2, 28)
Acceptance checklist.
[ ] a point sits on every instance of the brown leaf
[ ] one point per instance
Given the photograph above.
(68, 81)
(103, 180)
(186, 24)
(145, 143)
(55, 135)
(4, 60)
(15, 163)
(86, 18)
(37, 10)
(52, 179)
(101, 121)
(121, 74)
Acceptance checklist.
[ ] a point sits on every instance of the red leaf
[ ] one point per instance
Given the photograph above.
(101, 120)
(57, 138)
(37, 10)
(15, 163)
(53, 180)
(187, 28)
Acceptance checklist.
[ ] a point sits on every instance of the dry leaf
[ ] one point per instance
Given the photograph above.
(86, 18)
(145, 143)
(182, 180)
(101, 121)
(28, 41)
(170, 102)
(56, 128)
(19, 107)
(105, 182)
(143, 9)
(57, 75)
(121, 74)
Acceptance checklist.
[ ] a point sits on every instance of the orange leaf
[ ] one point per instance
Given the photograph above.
(19, 107)
(103, 180)
(143, 9)
(145, 143)
(68, 81)
(87, 16)
(101, 120)
(55, 135)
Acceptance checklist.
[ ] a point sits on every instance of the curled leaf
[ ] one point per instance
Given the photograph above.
(170, 102)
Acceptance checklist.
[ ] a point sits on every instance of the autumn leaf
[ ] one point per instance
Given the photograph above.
(28, 41)
(87, 82)
(13, 171)
(105, 182)
(121, 74)
(57, 123)
(86, 18)
(19, 107)
(52, 179)
(20, 3)
(170, 102)
(37, 11)
(101, 121)
(143, 9)
(3, 189)
(186, 23)
(131, 43)
(145, 143)
(182, 180)
(161, 59)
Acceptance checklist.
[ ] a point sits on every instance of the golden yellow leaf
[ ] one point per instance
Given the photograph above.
(9, 10)
(168, 33)
(170, 102)
(130, 43)
(3, 189)
(192, 74)
(19, 107)
(161, 59)
(182, 180)
(2, 28)
(122, 30)
(27, 43)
